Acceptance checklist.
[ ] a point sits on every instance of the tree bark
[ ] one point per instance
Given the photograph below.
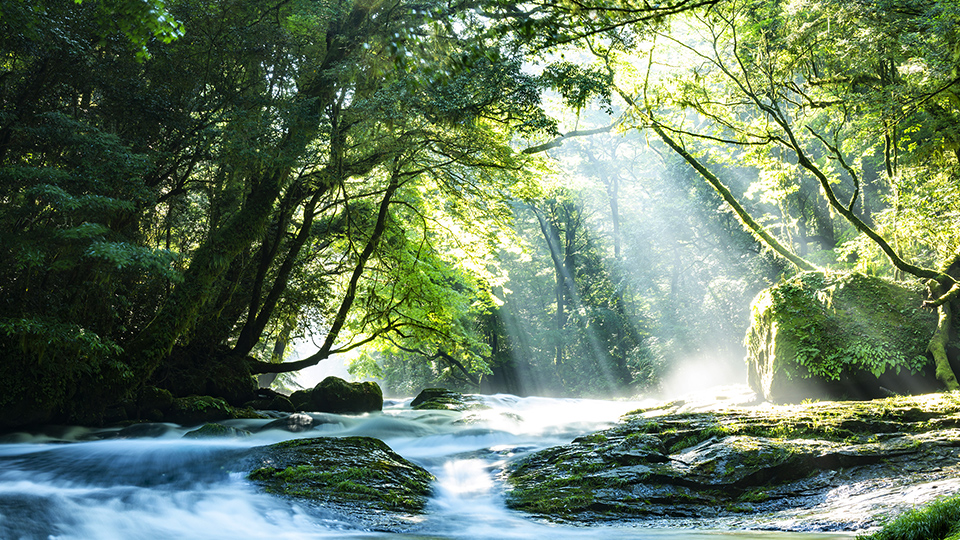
(938, 343)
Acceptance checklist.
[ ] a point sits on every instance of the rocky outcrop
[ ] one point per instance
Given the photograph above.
(839, 336)
(359, 477)
(817, 466)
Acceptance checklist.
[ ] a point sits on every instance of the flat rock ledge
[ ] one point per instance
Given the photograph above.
(823, 466)
(350, 479)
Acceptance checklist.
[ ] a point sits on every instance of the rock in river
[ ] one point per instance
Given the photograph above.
(814, 466)
(359, 477)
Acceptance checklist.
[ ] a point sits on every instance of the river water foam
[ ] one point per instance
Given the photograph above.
(63, 486)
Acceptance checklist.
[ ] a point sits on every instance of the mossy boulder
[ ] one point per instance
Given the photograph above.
(207, 372)
(358, 476)
(839, 335)
(335, 395)
(268, 400)
(193, 410)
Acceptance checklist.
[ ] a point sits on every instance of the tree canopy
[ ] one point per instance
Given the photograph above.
(482, 194)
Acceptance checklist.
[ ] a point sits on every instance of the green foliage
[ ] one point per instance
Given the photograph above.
(939, 520)
(139, 20)
(831, 324)
(579, 86)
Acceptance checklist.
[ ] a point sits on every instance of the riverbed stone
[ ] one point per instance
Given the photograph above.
(829, 335)
(775, 467)
(214, 430)
(359, 477)
(441, 399)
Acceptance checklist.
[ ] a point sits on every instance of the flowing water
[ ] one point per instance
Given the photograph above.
(62, 485)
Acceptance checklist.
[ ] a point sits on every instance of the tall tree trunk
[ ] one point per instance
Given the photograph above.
(938, 343)
(552, 238)
(178, 314)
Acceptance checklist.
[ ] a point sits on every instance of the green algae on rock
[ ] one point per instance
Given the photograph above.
(359, 475)
(839, 335)
(748, 467)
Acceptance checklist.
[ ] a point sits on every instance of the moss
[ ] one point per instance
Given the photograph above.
(824, 326)
(345, 469)
(754, 496)
(352, 483)
(593, 438)
(698, 437)
(561, 497)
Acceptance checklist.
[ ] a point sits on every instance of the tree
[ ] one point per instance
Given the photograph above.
(785, 94)
(191, 186)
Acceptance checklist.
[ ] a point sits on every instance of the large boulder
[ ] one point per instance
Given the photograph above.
(207, 372)
(839, 335)
(335, 395)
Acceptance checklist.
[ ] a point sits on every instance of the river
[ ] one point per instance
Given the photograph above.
(77, 483)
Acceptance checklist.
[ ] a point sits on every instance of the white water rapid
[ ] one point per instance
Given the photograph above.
(75, 484)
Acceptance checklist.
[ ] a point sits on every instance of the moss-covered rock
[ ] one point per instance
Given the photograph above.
(336, 395)
(714, 468)
(833, 335)
(268, 400)
(301, 399)
(359, 476)
(193, 410)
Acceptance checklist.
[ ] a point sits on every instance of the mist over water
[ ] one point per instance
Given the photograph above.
(168, 487)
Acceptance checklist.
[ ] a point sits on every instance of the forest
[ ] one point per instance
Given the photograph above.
(552, 197)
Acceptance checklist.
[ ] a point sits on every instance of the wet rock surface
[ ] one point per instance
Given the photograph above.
(359, 479)
(441, 399)
(822, 466)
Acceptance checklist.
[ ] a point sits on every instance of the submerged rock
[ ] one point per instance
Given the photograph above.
(816, 466)
(360, 477)
(445, 400)
(294, 423)
(212, 430)
(839, 336)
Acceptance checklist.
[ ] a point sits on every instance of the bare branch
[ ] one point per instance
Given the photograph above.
(559, 140)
